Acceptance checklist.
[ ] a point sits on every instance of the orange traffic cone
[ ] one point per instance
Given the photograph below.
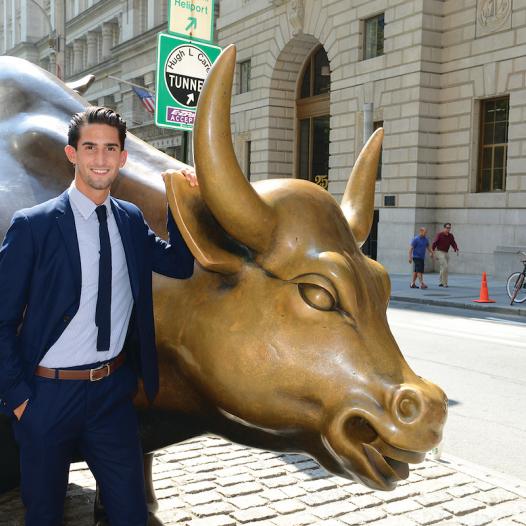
(484, 294)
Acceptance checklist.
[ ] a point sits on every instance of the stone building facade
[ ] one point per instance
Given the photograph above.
(106, 38)
(446, 79)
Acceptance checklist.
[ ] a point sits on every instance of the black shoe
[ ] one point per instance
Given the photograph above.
(440, 285)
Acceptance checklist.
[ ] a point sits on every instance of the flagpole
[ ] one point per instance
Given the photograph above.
(131, 83)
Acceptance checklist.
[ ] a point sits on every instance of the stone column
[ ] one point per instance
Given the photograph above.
(107, 39)
(91, 39)
(53, 63)
(78, 49)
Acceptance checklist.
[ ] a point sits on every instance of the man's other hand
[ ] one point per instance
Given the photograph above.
(187, 173)
(19, 411)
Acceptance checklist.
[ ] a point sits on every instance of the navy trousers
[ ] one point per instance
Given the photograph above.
(95, 418)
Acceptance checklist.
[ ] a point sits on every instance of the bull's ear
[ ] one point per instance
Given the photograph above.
(206, 239)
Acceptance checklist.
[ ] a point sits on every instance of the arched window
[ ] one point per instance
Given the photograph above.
(312, 110)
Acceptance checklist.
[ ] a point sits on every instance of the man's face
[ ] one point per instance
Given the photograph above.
(422, 232)
(97, 158)
(447, 228)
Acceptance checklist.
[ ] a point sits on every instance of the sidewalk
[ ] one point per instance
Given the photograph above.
(210, 482)
(462, 290)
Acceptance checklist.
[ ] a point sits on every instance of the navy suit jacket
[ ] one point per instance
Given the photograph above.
(40, 281)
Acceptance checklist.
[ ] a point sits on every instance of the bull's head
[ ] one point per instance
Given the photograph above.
(285, 327)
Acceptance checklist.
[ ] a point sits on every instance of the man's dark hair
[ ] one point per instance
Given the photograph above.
(447, 224)
(95, 115)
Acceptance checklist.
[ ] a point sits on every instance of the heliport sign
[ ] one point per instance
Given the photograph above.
(193, 19)
(182, 67)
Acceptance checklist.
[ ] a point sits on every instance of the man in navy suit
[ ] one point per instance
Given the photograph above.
(75, 279)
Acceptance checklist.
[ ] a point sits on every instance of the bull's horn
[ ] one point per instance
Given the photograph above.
(226, 191)
(358, 199)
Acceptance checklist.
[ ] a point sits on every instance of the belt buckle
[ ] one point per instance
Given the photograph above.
(91, 379)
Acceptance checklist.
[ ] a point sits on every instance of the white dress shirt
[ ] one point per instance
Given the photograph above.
(77, 345)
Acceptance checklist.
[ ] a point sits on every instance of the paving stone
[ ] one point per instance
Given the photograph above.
(427, 516)
(495, 496)
(431, 499)
(198, 487)
(214, 508)
(463, 491)
(273, 495)
(240, 489)
(401, 506)
(520, 519)
(463, 506)
(247, 501)
(278, 482)
(334, 509)
(433, 472)
(293, 491)
(196, 499)
(295, 519)
(483, 485)
(399, 493)
(323, 497)
(253, 514)
(365, 501)
(283, 507)
(476, 519)
(318, 485)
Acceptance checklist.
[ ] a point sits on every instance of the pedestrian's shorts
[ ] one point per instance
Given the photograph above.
(418, 265)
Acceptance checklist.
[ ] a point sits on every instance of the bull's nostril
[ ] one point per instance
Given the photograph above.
(359, 430)
(408, 407)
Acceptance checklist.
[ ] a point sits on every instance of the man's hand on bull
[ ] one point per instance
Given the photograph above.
(188, 173)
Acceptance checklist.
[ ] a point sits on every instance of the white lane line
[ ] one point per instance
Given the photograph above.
(459, 334)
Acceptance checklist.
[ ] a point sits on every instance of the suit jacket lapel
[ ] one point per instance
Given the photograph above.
(66, 223)
(123, 224)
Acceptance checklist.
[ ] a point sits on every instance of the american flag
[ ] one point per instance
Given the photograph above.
(147, 99)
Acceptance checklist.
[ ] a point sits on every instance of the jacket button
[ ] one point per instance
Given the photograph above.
(67, 319)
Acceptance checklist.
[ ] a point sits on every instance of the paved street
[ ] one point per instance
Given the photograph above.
(479, 360)
(210, 482)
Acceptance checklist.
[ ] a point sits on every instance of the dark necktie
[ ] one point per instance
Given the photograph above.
(103, 310)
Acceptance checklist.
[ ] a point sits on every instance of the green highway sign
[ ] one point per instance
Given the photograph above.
(192, 19)
(182, 67)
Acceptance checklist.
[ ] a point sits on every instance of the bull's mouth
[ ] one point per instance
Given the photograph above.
(372, 461)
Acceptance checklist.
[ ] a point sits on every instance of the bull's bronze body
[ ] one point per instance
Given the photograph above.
(280, 339)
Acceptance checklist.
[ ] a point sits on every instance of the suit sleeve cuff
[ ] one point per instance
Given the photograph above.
(17, 395)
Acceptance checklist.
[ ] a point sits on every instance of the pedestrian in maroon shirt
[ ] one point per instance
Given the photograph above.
(443, 240)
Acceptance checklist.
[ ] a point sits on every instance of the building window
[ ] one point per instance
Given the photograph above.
(373, 42)
(493, 144)
(244, 76)
(376, 125)
(313, 113)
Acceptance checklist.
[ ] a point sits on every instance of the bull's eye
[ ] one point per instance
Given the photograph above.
(316, 296)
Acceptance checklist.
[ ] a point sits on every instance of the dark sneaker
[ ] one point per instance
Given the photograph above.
(413, 286)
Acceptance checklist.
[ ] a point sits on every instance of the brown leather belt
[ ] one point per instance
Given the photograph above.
(82, 374)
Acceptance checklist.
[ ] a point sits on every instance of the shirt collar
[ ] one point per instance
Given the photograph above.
(84, 204)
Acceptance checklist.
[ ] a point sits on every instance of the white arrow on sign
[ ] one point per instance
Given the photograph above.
(191, 98)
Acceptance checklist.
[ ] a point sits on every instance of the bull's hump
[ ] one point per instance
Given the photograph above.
(27, 88)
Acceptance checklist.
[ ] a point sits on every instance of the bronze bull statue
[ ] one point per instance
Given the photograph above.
(280, 339)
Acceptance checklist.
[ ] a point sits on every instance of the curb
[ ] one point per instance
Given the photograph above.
(521, 311)
(507, 482)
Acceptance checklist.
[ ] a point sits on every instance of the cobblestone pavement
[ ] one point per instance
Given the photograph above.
(210, 482)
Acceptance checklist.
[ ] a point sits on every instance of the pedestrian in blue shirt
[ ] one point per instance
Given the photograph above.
(417, 254)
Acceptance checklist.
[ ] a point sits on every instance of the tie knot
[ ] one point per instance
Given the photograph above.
(101, 213)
